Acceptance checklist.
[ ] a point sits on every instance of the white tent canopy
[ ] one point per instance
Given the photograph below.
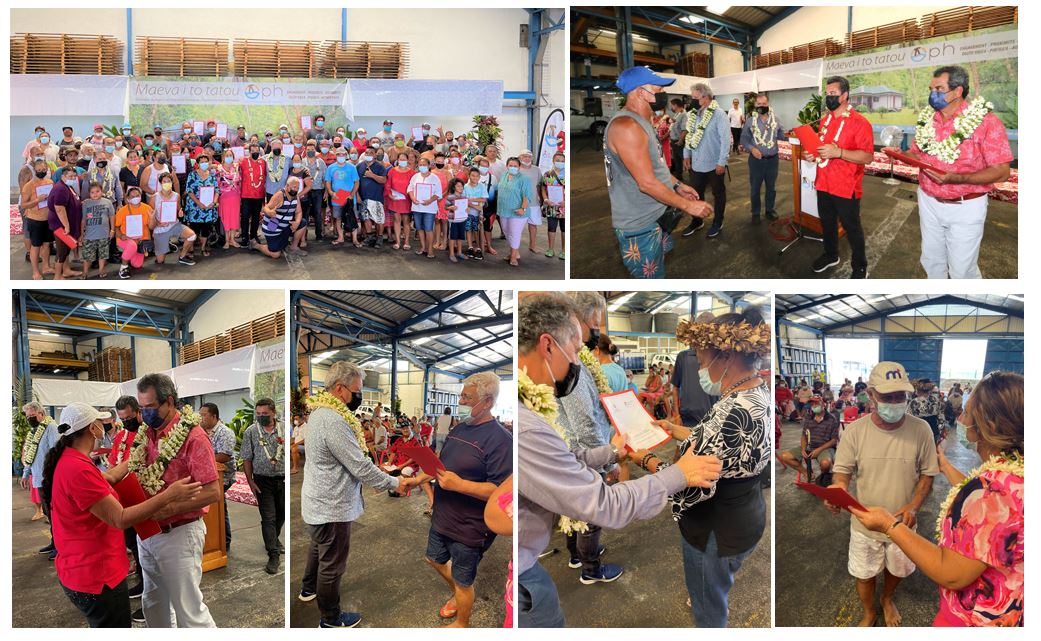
(71, 95)
(796, 75)
(422, 97)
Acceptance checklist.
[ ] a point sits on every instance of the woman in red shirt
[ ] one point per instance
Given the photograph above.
(397, 204)
(88, 520)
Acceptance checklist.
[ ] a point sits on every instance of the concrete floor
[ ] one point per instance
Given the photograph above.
(814, 587)
(387, 579)
(240, 595)
(889, 215)
(344, 262)
(651, 593)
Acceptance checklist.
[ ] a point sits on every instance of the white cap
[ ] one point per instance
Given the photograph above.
(526, 152)
(79, 415)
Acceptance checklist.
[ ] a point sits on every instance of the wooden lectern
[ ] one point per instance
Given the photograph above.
(800, 220)
(214, 550)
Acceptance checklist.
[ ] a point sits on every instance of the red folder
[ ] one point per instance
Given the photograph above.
(340, 197)
(425, 457)
(911, 160)
(834, 495)
(61, 235)
(809, 139)
(130, 494)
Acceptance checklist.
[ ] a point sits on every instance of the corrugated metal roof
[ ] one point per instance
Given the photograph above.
(822, 311)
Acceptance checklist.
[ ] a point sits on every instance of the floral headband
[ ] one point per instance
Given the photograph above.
(726, 337)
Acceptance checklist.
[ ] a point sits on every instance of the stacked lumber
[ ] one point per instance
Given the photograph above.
(364, 59)
(276, 58)
(262, 329)
(62, 53)
(181, 56)
(112, 365)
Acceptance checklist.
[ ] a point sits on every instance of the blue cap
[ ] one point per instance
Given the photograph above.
(634, 77)
(126, 125)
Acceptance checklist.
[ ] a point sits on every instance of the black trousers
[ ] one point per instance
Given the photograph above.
(110, 609)
(701, 179)
(677, 159)
(586, 547)
(762, 170)
(272, 509)
(735, 137)
(227, 518)
(313, 210)
(326, 561)
(833, 210)
(130, 537)
(249, 217)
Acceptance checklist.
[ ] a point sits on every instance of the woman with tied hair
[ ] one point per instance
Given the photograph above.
(978, 562)
(720, 526)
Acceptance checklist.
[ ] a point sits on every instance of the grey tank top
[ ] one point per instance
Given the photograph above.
(631, 209)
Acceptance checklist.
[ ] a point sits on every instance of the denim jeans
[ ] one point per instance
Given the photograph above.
(585, 547)
(709, 578)
(763, 170)
(539, 601)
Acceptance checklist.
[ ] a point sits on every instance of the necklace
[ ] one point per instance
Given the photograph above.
(277, 432)
(949, 149)
(768, 141)
(835, 141)
(697, 132)
(739, 384)
(327, 400)
(593, 365)
(254, 183)
(150, 476)
(1011, 463)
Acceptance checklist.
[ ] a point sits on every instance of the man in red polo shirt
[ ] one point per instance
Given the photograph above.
(254, 174)
(952, 202)
(848, 145)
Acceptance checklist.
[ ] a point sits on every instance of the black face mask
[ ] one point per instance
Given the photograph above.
(102, 164)
(33, 421)
(594, 338)
(292, 193)
(831, 102)
(131, 424)
(763, 110)
(439, 165)
(276, 152)
(566, 385)
(161, 160)
(661, 101)
(41, 174)
(355, 401)
(255, 155)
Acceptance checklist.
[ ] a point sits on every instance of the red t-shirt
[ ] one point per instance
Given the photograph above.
(398, 181)
(360, 144)
(397, 457)
(195, 460)
(93, 553)
(253, 174)
(987, 147)
(841, 178)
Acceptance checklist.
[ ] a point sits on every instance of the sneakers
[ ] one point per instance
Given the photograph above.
(135, 592)
(859, 272)
(574, 563)
(53, 555)
(756, 219)
(186, 260)
(694, 225)
(345, 620)
(306, 596)
(823, 262)
(478, 254)
(47, 549)
(272, 564)
(771, 214)
(608, 573)
(138, 616)
(714, 230)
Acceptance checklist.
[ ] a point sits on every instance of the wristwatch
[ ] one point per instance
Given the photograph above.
(615, 450)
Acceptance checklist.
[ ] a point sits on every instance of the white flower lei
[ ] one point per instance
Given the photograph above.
(327, 400)
(32, 443)
(540, 399)
(1011, 463)
(586, 356)
(824, 130)
(696, 133)
(965, 123)
(151, 476)
(771, 127)
(279, 451)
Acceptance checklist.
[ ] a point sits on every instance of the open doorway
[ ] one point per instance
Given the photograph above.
(850, 358)
(962, 361)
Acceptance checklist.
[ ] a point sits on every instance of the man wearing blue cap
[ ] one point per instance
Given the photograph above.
(639, 184)
(705, 153)
(130, 139)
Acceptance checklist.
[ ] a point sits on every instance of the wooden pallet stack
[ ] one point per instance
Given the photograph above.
(181, 56)
(276, 58)
(966, 19)
(257, 331)
(693, 64)
(884, 35)
(62, 53)
(112, 365)
(364, 59)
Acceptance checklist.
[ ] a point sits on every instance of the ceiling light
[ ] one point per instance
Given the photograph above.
(57, 370)
(692, 19)
(318, 358)
(42, 331)
(718, 9)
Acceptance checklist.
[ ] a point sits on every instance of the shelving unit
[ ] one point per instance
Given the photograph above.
(438, 400)
(801, 362)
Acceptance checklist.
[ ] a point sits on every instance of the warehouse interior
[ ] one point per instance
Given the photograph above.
(831, 338)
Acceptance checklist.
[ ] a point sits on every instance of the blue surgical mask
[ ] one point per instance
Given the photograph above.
(203, 166)
(212, 130)
(354, 156)
(559, 165)
(298, 165)
(229, 159)
(341, 160)
(938, 100)
(216, 147)
(151, 417)
(320, 123)
(423, 169)
(386, 128)
(711, 388)
(45, 140)
(465, 413)
(402, 163)
(72, 182)
(483, 170)
(514, 170)
(892, 412)
(325, 150)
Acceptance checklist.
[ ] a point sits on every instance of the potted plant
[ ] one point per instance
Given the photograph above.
(811, 113)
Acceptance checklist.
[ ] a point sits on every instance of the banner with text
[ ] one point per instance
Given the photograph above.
(201, 92)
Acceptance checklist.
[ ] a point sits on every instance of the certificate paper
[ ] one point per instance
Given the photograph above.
(461, 205)
(417, 133)
(43, 191)
(424, 191)
(305, 122)
(199, 127)
(629, 416)
(238, 152)
(135, 226)
(222, 130)
(179, 164)
(397, 195)
(206, 195)
(555, 194)
(167, 211)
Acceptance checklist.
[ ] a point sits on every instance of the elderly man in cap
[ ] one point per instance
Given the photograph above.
(645, 197)
(820, 435)
(361, 140)
(893, 458)
(387, 135)
(705, 153)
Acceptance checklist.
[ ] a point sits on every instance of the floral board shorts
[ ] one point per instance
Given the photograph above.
(372, 210)
(643, 251)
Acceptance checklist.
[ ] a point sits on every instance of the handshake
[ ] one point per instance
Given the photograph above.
(699, 471)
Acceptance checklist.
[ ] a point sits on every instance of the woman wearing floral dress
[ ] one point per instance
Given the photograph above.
(553, 212)
(978, 562)
(229, 178)
(202, 218)
(661, 123)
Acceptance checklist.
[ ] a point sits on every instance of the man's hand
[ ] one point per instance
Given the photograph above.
(808, 157)
(688, 192)
(828, 151)
(721, 169)
(686, 164)
(449, 480)
(834, 509)
(618, 441)
(909, 515)
(404, 484)
(253, 488)
(700, 471)
(755, 152)
(946, 178)
(24, 482)
(887, 150)
(697, 208)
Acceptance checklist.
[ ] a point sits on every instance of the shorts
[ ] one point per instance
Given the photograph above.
(278, 242)
(535, 215)
(555, 222)
(826, 455)
(39, 232)
(91, 250)
(489, 220)
(643, 251)
(424, 221)
(162, 239)
(345, 212)
(372, 210)
(441, 550)
(473, 223)
(457, 231)
(867, 557)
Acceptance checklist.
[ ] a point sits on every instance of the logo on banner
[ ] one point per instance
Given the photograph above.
(918, 54)
(252, 92)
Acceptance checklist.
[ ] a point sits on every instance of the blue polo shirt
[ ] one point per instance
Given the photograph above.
(369, 188)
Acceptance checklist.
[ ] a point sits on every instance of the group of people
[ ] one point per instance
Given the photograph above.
(976, 555)
(576, 467)
(74, 465)
(653, 141)
(189, 193)
(470, 500)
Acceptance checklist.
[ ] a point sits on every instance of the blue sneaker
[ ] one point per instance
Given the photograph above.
(608, 573)
(574, 563)
(714, 230)
(345, 620)
(306, 596)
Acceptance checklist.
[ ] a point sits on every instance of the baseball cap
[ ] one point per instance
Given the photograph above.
(526, 152)
(888, 377)
(387, 122)
(98, 125)
(126, 125)
(634, 77)
(79, 415)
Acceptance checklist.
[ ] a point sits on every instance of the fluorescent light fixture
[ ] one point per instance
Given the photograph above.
(318, 358)
(45, 332)
(594, 87)
(101, 306)
(691, 20)
(57, 370)
(615, 306)
(718, 8)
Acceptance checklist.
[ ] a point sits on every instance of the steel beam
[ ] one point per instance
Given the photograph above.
(489, 321)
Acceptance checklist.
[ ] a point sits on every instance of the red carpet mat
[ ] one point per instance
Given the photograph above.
(240, 492)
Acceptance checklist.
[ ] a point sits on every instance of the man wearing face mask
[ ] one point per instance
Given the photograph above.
(263, 461)
(32, 473)
(705, 153)
(223, 440)
(893, 457)
(129, 412)
(335, 470)
(254, 175)
(558, 477)
(820, 435)
(639, 184)
(759, 136)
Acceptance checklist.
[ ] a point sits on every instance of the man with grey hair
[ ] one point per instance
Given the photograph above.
(562, 477)
(478, 457)
(689, 398)
(335, 470)
(705, 154)
(45, 433)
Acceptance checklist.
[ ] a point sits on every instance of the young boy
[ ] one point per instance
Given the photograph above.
(97, 228)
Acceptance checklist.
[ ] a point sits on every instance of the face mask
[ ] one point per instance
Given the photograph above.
(341, 160)
(276, 152)
(167, 186)
(712, 389)
(310, 154)
(594, 337)
(212, 130)
(367, 158)
(229, 159)
(255, 155)
(41, 174)
(325, 150)
(187, 130)
(119, 144)
(151, 417)
(45, 140)
(148, 141)
(284, 133)
(320, 123)
(566, 385)
(101, 164)
(298, 165)
(399, 143)
(72, 182)
(386, 128)
(439, 165)
(817, 409)
(203, 166)
(97, 134)
(559, 165)
(337, 145)
(38, 158)
(33, 421)
(135, 201)
(354, 156)
(455, 161)
(661, 101)
(763, 110)
(831, 102)
(514, 171)
(217, 147)
(263, 421)
(465, 413)
(402, 163)
(892, 412)
(291, 192)
(423, 169)
(355, 401)
(938, 100)
(131, 424)
(161, 160)
(483, 170)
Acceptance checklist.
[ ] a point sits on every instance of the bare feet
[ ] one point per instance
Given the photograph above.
(869, 620)
(891, 614)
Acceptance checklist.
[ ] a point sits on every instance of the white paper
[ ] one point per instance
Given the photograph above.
(135, 226)
(417, 133)
(305, 122)
(238, 152)
(424, 191)
(630, 417)
(43, 191)
(222, 130)
(153, 179)
(206, 195)
(460, 214)
(167, 211)
(180, 165)
(555, 194)
(397, 195)
(199, 127)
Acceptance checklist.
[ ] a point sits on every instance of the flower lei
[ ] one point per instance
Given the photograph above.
(151, 476)
(275, 173)
(1011, 463)
(771, 127)
(697, 132)
(279, 451)
(327, 400)
(540, 399)
(33, 442)
(727, 337)
(593, 365)
(949, 149)
(824, 130)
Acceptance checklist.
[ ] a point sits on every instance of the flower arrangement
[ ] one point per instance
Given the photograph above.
(540, 399)
(949, 149)
(151, 476)
(327, 400)
(726, 337)
(695, 133)
(586, 356)
(486, 131)
(1011, 463)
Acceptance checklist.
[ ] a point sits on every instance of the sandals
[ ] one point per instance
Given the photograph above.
(549, 254)
(560, 255)
(447, 611)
